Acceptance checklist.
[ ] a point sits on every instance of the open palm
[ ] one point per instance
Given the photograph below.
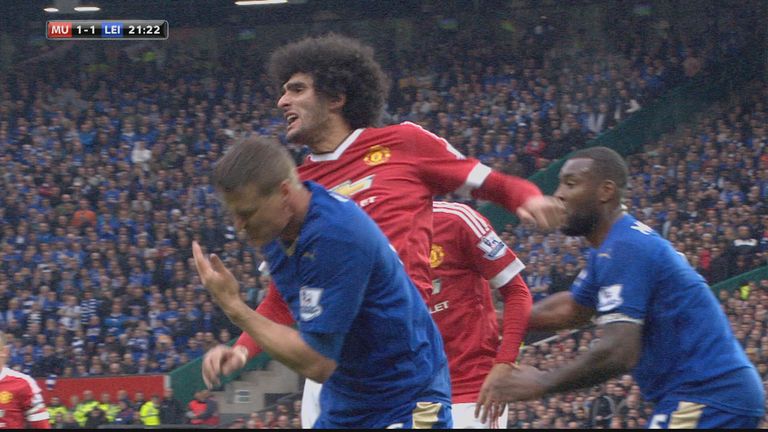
(216, 278)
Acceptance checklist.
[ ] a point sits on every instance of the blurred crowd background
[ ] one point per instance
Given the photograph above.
(105, 150)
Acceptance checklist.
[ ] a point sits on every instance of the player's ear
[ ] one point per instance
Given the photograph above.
(606, 191)
(337, 102)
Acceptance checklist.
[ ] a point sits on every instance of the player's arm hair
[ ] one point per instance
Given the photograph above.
(283, 344)
(615, 353)
(508, 191)
(272, 307)
(559, 311)
(517, 311)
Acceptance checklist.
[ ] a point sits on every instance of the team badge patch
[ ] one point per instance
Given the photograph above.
(492, 246)
(310, 303)
(5, 396)
(377, 155)
(436, 256)
(609, 297)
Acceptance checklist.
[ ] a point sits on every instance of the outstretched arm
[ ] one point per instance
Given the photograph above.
(517, 310)
(557, 312)
(273, 307)
(282, 342)
(616, 352)
(522, 197)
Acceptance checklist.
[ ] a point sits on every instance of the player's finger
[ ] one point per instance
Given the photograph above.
(206, 376)
(479, 404)
(525, 216)
(556, 213)
(207, 366)
(200, 262)
(487, 407)
(211, 369)
(228, 363)
(490, 413)
(217, 264)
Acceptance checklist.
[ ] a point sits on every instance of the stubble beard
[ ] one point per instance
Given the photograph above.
(580, 224)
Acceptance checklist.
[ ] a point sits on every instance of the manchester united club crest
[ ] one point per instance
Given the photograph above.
(436, 256)
(377, 155)
(5, 397)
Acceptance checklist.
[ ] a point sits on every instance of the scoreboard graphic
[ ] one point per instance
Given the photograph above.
(107, 29)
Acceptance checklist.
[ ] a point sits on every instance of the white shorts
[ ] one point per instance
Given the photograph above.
(310, 403)
(464, 417)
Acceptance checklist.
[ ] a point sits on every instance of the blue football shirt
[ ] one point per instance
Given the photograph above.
(342, 277)
(688, 349)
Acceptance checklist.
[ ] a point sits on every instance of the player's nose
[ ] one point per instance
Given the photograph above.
(239, 223)
(559, 194)
(284, 101)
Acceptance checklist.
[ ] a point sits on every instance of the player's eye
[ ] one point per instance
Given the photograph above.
(245, 214)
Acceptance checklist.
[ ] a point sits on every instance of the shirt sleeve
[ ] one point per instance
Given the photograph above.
(439, 165)
(333, 284)
(618, 283)
(517, 312)
(444, 169)
(35, 410)
(272, 307)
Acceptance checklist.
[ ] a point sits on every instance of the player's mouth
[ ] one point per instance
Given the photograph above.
(290, 119)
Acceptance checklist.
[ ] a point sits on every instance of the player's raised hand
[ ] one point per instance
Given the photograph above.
(216, 278)
(507, 383)
(544, 212)
(222, 360)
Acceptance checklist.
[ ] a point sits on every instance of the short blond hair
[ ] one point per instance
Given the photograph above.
(258, 161)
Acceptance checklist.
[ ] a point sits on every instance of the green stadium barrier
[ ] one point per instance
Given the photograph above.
(679, 105)
(187, 379)
(738, 281)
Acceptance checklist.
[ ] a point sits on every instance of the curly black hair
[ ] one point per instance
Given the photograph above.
(339, 65)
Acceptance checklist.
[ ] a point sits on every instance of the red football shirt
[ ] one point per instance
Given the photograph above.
(392, 173)
(21, 403)
(468, 259)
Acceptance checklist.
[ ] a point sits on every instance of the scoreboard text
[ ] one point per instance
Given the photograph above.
(109, 29)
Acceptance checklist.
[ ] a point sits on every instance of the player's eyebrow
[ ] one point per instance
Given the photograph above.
(245, 211)
(294, 85)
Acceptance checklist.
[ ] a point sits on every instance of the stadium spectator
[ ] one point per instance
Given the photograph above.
(69, 422)
(125, 414)
(96, 418)
(149, 412)
(56, 411)
(171, 410)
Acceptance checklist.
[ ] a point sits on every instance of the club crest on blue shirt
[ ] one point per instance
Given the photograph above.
(310, 303)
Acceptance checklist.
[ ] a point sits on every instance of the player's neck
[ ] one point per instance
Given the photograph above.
(299, 202)
(604, 225)
(337, 131)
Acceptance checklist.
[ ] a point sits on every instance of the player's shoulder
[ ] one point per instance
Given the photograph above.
(334, 216)
(11, 375)
(632, 235)
(405, 130)
(458, 213)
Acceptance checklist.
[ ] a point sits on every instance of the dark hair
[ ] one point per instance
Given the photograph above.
(607, 164)
(339, 66)
(260, 161)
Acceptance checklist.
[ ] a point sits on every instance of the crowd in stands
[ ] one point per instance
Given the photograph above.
(104, 188)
